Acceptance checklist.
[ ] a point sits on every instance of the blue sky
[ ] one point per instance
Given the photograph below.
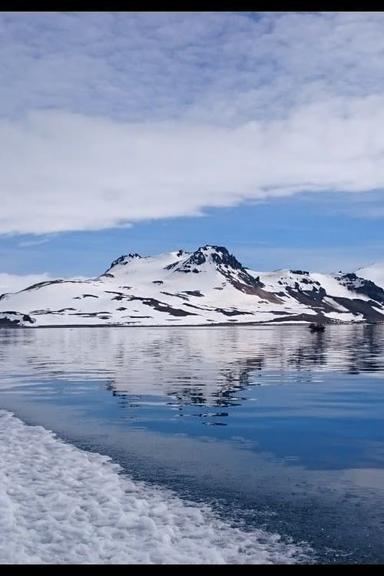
(148, 132)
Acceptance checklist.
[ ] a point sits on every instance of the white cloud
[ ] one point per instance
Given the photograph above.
(15, 282)
(61, 171)
(223, 66)
(330, 259)
(112, 118)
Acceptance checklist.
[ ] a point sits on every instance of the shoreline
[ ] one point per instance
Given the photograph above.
(212, 325)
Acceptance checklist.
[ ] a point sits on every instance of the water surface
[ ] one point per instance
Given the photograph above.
(275, 427)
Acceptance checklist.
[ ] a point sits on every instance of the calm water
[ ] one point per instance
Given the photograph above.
(273, 426)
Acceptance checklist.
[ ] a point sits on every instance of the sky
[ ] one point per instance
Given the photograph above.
(148, 132)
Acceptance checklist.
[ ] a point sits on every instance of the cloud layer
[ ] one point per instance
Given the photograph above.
(223, 66)
(62, 171)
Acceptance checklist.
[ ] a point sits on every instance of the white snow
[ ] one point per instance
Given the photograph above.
(333, 287)
(146, 277)
(338, 307)
(374, 273)
(60, 504)
(167, 284)
(280, 280)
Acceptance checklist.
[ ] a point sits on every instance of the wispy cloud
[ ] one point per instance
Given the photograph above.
(36, 241)
(226, 66)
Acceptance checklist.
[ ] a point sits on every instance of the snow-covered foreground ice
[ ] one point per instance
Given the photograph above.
(60, 504)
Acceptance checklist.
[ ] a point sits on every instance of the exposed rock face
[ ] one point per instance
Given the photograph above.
(11, 319)
(362, 286)
(208, 254)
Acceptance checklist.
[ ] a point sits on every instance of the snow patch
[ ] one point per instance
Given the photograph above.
(332, 286)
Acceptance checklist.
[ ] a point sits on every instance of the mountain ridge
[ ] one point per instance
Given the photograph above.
(204, 287)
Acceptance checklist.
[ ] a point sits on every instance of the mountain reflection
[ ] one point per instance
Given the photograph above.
(187, 366)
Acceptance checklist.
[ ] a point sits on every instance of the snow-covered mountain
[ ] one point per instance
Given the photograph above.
(208, 286)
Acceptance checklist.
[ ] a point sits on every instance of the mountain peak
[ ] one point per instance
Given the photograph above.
(217, 255)
(124, 259)
(210, 259)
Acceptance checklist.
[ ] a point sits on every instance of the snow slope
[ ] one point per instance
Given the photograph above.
(374, 273)
(62, 505)
(341, 297)
(208, 286)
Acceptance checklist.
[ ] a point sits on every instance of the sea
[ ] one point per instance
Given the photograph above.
(192, 445)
